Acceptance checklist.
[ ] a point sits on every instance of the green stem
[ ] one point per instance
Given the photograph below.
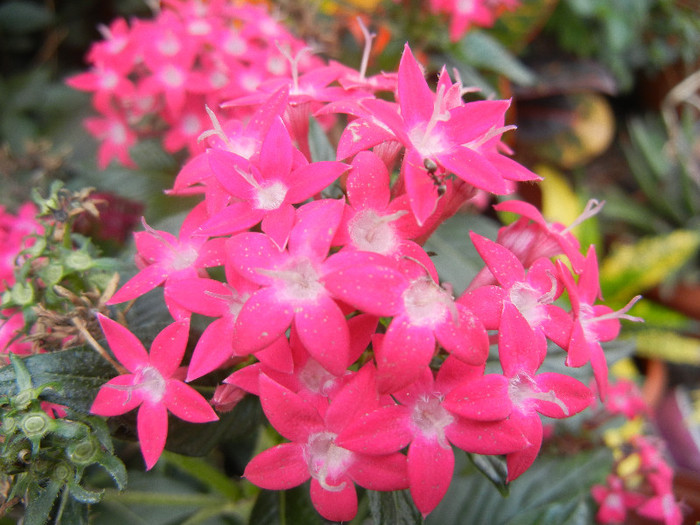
(135, 497)
(207, 474)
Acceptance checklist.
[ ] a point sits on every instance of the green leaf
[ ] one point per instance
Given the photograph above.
(631, 269)
(494, 468)
(116, 469)
(84, 496)
(24, 17)
(481, 50)
(668, 345)
(395, 507)
(80, 371)
(456, 259)
(22, 376)
(321, 148)
(40, 503)
(554, 488)
(289, 507)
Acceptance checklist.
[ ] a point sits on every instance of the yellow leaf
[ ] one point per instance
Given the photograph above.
(669, 346)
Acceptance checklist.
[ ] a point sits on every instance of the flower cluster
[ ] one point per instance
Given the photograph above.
(15, 232)
(641, 480)
(463, 15)
(154, 77)
(333, 313)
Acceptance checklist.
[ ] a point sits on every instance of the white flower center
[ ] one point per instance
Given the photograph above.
(426, 303)
(151, 383)
(271, 197)
(326, 461)
(431, 418)
(372, 232)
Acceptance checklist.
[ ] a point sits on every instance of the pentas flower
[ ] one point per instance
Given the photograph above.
(372, 221)
(164, 258)
(463, 15)
(293, 287)
(520, 394)
(423, 312)
(312, 429)
(532, 292)
(439, 139)
(306, 376)
(593, 323)
(116, 138)
(151, 385)
(614, 500)
(421, 420)
(212, 298)
(266, 189)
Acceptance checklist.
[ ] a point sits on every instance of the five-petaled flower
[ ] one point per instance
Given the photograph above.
(152, 385)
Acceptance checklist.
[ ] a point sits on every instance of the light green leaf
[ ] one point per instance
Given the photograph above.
(631, 269)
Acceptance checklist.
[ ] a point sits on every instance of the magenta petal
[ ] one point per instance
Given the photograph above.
(261, 321)
(374, 289)
(200, 295)
(250, 251)
(579, 349)
(117, 396)
(278, 224)
(454, 371)
(236, 217)
(227, 167)
(415, 97)
(187, 404)
(430, 468)
(465, 337)
(315, 228)
(152, 428)
(312, 178)
(422, 191)
(571, 396)
(382, 431)
(368, 182)
(486, 437)
(338, 504)
(519, 461)
(518, 348)
(212, 350)
(125, 346)
(144, 281)
(503, 263)
(484, 399)
(277, 356)
(487, 303)
(275, 158)
(278, 468)
(475, 168)
(168, 347)
(323, 330)
(362, 134)
(359, 395)
(291, 415)
(387, 472)
(404, 353)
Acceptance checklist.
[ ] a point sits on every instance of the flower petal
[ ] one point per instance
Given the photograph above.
(152, 428)
(187, 404)
(278, 468)
(125, 346)
(430, 468)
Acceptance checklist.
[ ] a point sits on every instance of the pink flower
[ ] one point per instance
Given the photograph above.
(164, 258)
(424, 313)
(593, 323)
(421, 420)
(293, 288)
(441, 138)
(151, 385)
(312, 429)
(532, 292)
(520, 394)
